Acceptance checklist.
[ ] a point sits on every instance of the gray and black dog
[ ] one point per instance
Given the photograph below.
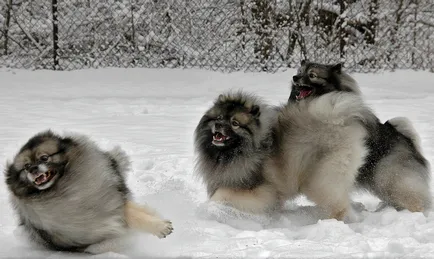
(72, 196)
(232, 141)
(394, 169)
(255, 157)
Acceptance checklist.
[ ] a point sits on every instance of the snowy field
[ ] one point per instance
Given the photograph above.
(152, 115)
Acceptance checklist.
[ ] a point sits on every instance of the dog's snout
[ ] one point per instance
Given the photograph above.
(218, 126)
(33, 169)
(222, 127)
(295, 78)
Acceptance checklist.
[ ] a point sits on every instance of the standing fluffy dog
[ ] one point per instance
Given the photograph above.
(395, 169)
(233, 139)
(72, 196)
(255, 157)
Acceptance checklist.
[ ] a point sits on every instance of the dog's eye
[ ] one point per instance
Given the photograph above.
(235, 124)
(312, 75)
(27, 166)
(44, 158)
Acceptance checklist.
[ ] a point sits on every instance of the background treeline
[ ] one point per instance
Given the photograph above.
(252, 35)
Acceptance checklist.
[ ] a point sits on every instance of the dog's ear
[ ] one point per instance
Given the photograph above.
(337, 68)
(221, 98)
(65, 144)
(255, 111)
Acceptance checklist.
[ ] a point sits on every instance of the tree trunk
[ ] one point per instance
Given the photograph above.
(304, 12)
(341, 30)
(262, 14)
(394, 33)
(416, 8)
(372, 24)
(245, 24)
(7, 25)
(292, 38)
(133, 27)
(55, 35)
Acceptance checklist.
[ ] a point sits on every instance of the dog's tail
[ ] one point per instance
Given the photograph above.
(120, 159)
(404, 126)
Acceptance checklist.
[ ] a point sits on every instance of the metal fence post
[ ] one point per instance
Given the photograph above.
(55, 35)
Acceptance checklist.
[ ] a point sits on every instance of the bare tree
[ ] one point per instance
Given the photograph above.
(398, 19)
(372, 24)
(133, 26)
(298, 15)
(245, 24)
(55, 34)
(7, 25)
(262, 14)
(293, 32)
(416, 8)
(342, 32)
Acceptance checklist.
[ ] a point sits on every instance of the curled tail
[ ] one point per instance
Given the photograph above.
(404, 126)
(120, 160)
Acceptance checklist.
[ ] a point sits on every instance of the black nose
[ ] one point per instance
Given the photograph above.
(296, 78)
(34, 169)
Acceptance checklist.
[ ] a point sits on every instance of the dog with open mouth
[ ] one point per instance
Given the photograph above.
(254, 157)
(395, 169)
(72, 196)
(314, 80)
(232, 140)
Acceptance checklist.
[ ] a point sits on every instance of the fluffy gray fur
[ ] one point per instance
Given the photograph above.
(84, 206)
(319, 145)
(395, 168)
(237, 165)
(313, 147)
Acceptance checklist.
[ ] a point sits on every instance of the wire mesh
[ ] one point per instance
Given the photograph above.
(228, 35)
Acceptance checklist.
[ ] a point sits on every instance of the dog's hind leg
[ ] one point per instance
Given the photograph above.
(403, 182)
(409, 192)
(145, 219)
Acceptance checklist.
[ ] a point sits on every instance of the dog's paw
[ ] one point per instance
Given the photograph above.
(163, 228)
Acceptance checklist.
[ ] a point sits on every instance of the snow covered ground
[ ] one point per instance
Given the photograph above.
(152, 114)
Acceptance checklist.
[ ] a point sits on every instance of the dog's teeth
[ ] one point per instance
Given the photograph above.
(40, 179)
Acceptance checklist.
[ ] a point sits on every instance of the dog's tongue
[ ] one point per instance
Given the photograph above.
(303, 93)
(41, 179)
(219, 137)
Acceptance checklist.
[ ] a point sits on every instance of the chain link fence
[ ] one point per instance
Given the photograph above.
(228, 35)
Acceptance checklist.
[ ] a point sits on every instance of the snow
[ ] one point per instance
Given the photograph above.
(152, 114)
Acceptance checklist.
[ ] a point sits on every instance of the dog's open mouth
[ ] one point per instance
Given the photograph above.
(303, 92)
(218, 139)
(43, 178)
